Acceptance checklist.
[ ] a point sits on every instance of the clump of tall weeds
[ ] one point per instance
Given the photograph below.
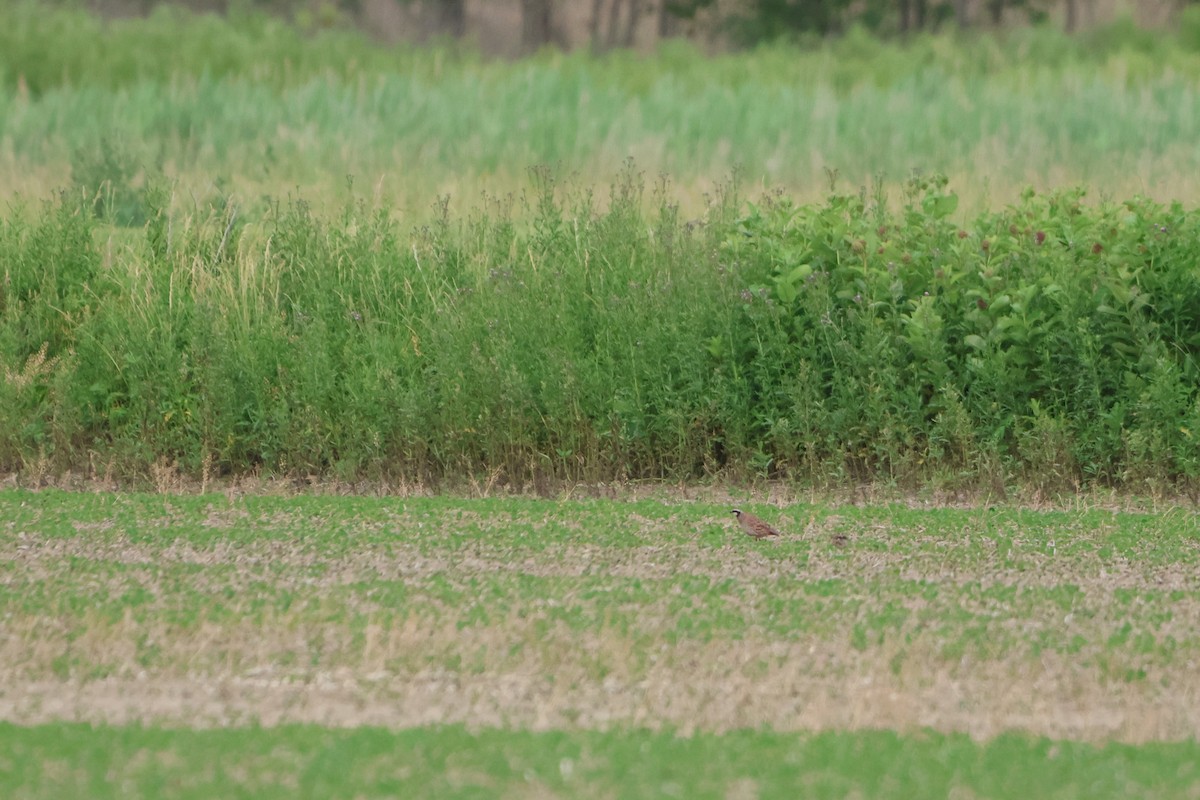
(561, 334)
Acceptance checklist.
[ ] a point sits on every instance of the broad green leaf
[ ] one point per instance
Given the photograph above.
(941, 205)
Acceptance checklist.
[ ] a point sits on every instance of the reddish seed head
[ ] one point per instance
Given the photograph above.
(1096, 248)
(962, 234)
(1013, 230)
(1040, 236)
(981, 303)
(985, 245)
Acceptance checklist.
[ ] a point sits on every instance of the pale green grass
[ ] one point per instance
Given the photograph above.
(253, 109)
(408, 141)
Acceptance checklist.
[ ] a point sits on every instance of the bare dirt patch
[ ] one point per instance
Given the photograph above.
(703, 686)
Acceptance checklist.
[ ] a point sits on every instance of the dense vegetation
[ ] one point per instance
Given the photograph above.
(1053, 341)
(211, 289)
(211, 265)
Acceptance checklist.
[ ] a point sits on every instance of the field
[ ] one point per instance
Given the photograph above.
(254, 109)
(253, 250)
(403, 397)
(591, 647)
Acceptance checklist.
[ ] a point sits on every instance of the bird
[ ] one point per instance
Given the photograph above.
(753, 526)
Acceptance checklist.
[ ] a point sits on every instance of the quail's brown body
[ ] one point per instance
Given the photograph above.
(753, 526)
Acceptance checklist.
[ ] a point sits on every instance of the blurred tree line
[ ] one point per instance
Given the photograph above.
(605, 24)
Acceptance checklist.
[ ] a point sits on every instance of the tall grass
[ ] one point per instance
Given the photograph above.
(261, 107)
(555, 335)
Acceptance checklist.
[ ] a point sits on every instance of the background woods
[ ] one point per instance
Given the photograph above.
(512, 27)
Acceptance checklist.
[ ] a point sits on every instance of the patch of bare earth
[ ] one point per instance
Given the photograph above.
(524, 668)
(706, 688)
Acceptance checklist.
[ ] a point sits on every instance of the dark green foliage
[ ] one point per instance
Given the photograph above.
(50, 277)
(552, 337)
(1050, 336)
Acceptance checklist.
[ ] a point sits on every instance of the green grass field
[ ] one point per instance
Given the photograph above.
(235, 256)
(589, 647)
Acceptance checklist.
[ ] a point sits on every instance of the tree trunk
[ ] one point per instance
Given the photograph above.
(614, 22)
(962, 14)
(666, 21)
(452, 17)
(535, 23)
(1072, 23)
(594, 24)
(996, 7)
(635, 14)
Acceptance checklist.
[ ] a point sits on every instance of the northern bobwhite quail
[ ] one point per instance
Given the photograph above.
(753, 526)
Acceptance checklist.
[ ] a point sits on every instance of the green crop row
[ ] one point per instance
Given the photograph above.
(456, 762)
(556, 337)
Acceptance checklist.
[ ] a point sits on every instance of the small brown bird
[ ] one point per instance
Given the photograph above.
(753, 526)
